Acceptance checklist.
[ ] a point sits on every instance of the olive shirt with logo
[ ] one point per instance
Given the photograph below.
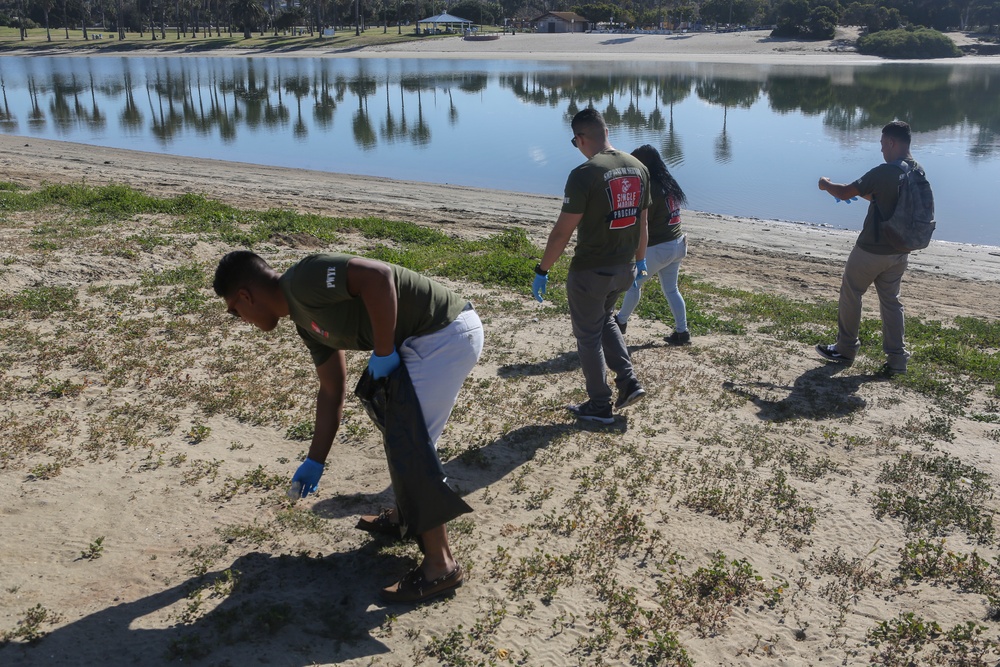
(328, 318)
(610, 190)
(664, 217)
(882, 184)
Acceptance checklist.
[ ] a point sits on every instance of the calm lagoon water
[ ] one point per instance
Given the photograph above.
(749, 140)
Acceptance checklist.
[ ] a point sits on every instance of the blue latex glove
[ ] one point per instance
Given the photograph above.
(381, 367)
(307, 477)
(538, 287)
(641, 272)
(846, 200)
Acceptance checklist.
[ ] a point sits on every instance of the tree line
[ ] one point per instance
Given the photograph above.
(155, 19)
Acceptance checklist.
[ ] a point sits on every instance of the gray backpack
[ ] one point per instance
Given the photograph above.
(912, 223)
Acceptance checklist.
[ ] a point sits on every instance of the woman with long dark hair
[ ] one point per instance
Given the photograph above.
(667, 245)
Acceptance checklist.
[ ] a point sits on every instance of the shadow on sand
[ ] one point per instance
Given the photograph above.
(282, 611)
(819, 393)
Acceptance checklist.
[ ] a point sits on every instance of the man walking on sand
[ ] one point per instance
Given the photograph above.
(420, 333)
(873, 259)
(605, 201)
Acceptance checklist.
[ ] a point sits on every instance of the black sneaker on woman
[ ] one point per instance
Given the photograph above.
(679, 338)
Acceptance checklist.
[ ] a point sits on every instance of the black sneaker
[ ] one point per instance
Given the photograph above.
(829, 352)
(592, 413)
(630, 395)
(679, 338)
(889, 371)
(621, 325)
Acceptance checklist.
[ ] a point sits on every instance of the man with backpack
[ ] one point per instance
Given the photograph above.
(882, 249)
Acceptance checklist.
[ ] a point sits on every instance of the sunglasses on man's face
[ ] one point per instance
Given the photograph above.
(573, 141)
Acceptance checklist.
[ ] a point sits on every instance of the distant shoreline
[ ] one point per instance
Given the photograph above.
(748, 47)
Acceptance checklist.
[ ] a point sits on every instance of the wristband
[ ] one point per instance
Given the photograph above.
(538, 270)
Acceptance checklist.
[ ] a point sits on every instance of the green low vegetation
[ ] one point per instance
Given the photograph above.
(946, 357)
(908, 43)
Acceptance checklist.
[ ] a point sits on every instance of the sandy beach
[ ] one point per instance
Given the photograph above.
(747, 46)
(148, 440)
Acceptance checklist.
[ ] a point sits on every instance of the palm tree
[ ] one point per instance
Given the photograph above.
(248, 13)
(46, 6)
(65, 20)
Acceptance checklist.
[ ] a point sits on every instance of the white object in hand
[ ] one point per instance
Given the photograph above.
(295, 490)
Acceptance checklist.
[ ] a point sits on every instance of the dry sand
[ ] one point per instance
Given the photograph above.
(306, 597)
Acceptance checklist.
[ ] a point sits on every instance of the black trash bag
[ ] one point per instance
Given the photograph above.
(423, 498)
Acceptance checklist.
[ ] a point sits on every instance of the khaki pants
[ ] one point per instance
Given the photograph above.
(886, 273)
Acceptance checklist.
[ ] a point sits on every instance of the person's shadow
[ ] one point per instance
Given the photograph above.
(819, 393)
(474, 468)
(282, 611)
(561, 363)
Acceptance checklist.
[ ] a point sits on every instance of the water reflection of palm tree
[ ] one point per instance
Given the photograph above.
(36, 117)
(364, 133)
(194, 109)
(62, 115)
(611, 114)
(299, 87)
(388, 129)
(220, 111)
(324, 103)
(672, 149)
(473, 83)
(165, 122)
(404, 128)
(130, 117)
(254, 92)
(727, 93)
(674, 89)
(97, 120)
(452, 110)
(276, 115)
(7, 120)
(723, 149)
(421, 134)
(361, 125)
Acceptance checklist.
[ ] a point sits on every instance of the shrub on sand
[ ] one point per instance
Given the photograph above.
(908, 43)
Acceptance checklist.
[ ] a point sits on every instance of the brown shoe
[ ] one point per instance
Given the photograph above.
(415, 589)
(380, 525)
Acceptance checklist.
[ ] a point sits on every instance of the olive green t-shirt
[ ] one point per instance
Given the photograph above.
(664, 217)
(610, 190)
(328, 318)
(882, 184)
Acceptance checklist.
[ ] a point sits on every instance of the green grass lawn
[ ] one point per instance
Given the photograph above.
(37, 40)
